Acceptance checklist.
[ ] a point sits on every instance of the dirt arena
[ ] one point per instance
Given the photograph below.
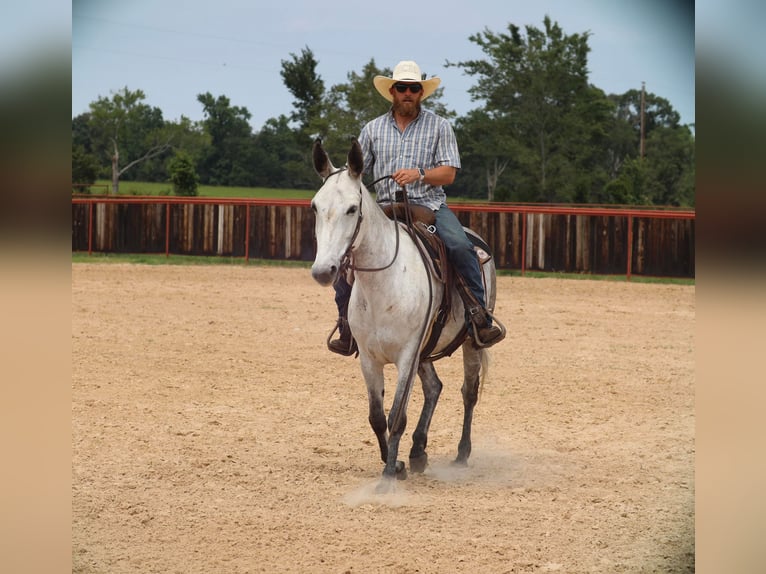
(214, 433)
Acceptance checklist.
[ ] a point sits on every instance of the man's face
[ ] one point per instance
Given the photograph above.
(406, 103)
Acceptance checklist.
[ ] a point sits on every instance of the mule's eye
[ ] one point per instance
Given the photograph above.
(313, 207)
(351, 210)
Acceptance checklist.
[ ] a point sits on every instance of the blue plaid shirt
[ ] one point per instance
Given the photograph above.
(427, 142)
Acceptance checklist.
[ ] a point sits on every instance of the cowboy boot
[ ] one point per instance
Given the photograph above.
(478, 319)
(484, 334)
(345, 344)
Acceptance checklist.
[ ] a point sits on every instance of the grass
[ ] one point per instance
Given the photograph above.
(161, 259)
(161, 189)
(144, 188)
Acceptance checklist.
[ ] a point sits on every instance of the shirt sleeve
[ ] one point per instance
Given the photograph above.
(447, 152)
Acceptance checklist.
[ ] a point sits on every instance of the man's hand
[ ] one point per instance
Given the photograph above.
(405, 176)
(440, 175)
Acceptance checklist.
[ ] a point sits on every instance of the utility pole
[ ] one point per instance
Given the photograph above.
(641, 144)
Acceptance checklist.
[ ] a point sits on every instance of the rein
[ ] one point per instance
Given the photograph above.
(347, 258)
(399, 415)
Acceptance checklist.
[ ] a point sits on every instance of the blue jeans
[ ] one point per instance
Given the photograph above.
(459, 251)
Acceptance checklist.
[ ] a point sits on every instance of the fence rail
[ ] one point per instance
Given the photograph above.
(574, 239)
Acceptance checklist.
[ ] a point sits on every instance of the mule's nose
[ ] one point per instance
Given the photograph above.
(324, 275)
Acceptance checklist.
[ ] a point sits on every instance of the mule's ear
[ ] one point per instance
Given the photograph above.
(322, 164)
(355, 159)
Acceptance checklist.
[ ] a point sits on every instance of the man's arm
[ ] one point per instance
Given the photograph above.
(439, 175)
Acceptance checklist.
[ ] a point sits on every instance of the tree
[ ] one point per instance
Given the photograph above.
(535, 87)
(346, 108)
(281, 156)
(183, 175)
(84, 167)
(485, 154)
(127, 130)
(670, 166)
(667, 173)
(307, 87)
(228, 159)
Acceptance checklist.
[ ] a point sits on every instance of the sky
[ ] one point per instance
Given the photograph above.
(174, 50)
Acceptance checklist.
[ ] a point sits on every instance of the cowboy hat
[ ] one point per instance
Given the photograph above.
(405, 71)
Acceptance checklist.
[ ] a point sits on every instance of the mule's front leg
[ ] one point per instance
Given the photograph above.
(394, 469)
(432, 388)
(397, 422)
(373, 378)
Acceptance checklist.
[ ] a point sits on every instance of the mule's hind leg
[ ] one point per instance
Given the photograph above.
(473, 360)
(432, 388)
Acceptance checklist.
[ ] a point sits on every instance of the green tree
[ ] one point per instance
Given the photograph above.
(670, 161)
(669, 151)
(84, 168)
(535, 87)
(183, 174)
(487, 151)
(281, 156)
(82, 133)
(629, 187)
(307, 87)
(127, 131)
(228, 159)
(188, 136)
(347, 107)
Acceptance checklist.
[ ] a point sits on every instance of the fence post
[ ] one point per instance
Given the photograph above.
(523, 241)
(90, 228)
(630, 246)
(247, 233)
(167, 229)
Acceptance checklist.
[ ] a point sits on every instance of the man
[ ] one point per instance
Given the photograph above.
(419, 150)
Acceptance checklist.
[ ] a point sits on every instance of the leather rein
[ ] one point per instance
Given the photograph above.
(347, 255)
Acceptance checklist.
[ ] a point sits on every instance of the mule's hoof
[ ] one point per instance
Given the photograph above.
(461, 462)
(401, 470)
(418, 464)
(386, 485)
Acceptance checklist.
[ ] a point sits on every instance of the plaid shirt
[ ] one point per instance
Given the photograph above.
(427, 142)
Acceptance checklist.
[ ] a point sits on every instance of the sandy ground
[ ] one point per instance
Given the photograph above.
(213, 432)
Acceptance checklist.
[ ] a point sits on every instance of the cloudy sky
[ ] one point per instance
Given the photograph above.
(176, 49)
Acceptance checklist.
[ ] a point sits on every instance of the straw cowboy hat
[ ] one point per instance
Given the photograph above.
(409, 72)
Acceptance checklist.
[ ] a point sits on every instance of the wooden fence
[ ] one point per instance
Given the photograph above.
(524, 237)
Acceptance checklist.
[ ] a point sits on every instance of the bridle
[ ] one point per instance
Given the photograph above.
(347, 260)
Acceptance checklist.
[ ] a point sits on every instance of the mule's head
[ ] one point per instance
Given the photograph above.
(337, 210)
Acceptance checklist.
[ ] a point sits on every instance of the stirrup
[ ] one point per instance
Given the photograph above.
(337, 345)
(475, 320)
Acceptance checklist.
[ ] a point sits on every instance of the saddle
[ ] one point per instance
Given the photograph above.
(423, 232)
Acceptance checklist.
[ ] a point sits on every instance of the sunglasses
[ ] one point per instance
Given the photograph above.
(414, 88)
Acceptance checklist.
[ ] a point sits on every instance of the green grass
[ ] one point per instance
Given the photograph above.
(161, 189)
(590, 277)
(159, 259)
(134, 188)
